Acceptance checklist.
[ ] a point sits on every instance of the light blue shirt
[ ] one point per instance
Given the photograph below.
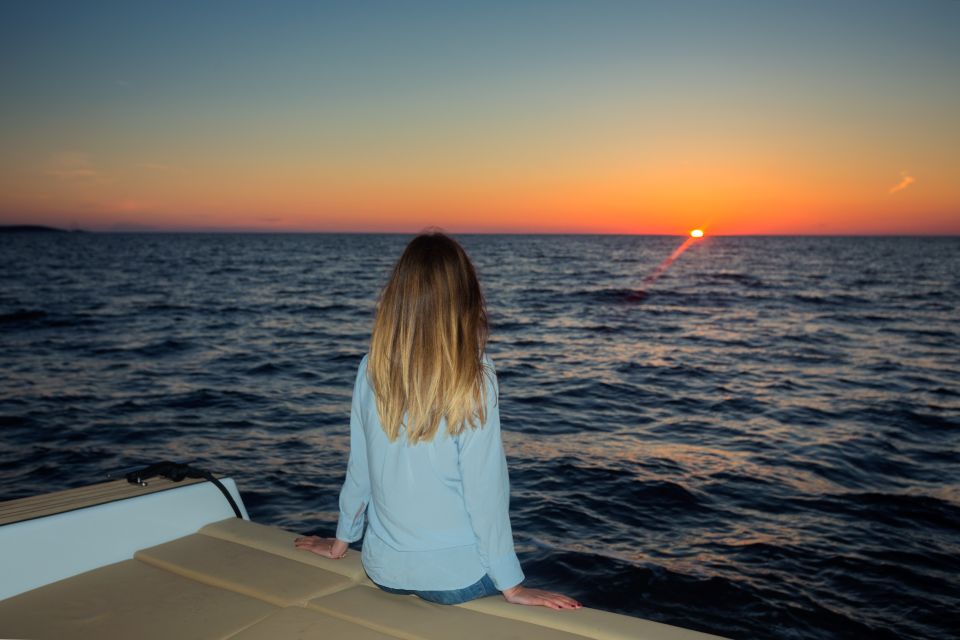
(438, 513)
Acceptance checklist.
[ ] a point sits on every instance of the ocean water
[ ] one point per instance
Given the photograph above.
(766, 444)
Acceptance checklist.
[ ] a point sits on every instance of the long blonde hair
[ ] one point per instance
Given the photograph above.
(428, 339)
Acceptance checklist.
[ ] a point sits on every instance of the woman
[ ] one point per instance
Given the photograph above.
(426, 465)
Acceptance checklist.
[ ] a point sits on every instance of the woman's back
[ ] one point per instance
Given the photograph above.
(438, 511)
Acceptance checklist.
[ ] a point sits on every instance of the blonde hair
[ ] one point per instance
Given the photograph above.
(428, 339)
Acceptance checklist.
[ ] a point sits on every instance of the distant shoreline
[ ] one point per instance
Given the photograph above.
(34, 228)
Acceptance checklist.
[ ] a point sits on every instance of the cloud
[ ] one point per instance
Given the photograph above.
(74, 166)
(905, 181)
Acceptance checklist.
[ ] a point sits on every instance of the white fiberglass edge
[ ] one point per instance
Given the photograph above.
(43, 550)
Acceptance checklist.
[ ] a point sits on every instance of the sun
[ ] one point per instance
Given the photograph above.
(696, 233)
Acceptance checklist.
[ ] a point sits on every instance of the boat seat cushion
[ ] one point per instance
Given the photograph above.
(592, 623)
(279, 542)
(243, 569)
(583, 622)
(411, 617)
(297, 623)
(128, 599)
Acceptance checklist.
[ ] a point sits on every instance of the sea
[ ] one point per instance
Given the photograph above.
(762, 442)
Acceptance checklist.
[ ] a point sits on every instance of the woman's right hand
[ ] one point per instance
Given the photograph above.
(539, 598)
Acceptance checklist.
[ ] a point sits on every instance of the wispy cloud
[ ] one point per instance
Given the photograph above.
(905, 181)
(75, 166)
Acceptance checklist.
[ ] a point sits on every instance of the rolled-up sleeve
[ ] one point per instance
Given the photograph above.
(355, 493)
(486, 492)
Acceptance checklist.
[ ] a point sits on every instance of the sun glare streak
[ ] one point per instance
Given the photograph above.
(695, 235)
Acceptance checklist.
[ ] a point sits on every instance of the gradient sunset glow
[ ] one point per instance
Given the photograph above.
(743, 117)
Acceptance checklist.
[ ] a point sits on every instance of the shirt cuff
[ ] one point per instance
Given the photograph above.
(506, 572)
(350, 530)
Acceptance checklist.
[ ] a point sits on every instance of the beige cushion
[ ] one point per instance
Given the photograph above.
(243, 569)
(415, 619)
(592, 623)
(128, 600)
(297, 623)
(280, 542)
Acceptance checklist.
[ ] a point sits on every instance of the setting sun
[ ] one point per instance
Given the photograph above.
(696, 233)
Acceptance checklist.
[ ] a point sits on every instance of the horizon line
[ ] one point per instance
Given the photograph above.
(228, 231)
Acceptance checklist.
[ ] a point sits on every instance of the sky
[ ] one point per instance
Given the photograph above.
(766, 117)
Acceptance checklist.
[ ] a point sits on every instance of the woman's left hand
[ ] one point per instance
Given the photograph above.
(326, 547)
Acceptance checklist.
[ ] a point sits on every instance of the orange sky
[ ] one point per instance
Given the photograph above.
(615, 121)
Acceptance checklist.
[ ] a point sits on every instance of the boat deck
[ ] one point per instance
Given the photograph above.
(245, 581)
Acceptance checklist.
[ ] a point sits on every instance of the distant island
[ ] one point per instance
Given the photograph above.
(33, 228)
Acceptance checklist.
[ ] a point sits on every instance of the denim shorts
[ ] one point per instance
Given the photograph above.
(479, 589)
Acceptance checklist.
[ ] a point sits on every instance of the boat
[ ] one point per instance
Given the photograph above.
(177, 556)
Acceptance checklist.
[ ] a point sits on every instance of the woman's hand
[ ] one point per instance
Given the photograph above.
(539, 598)
(326, 547)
